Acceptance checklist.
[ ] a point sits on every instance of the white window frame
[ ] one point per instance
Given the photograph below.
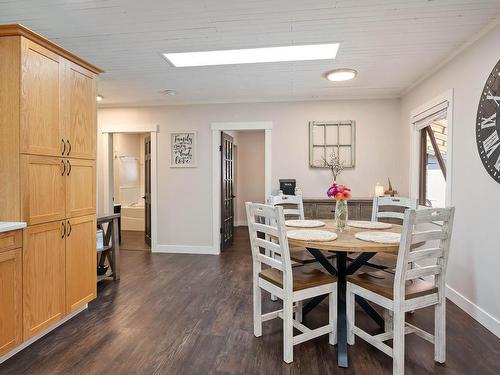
(415, 146)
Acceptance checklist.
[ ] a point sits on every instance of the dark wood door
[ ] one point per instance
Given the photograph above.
(147, 190)
(227, 186)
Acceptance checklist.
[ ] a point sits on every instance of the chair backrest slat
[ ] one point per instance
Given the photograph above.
(268, 245)
(435, 254)
(403, 202)
(416, 273)
(266, 229)
(275, 239)
(272, 262)
(390, 215)
(295, 201)
(431, 253)
(428, 235)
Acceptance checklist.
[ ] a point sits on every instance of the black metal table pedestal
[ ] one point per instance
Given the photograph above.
(341, 272)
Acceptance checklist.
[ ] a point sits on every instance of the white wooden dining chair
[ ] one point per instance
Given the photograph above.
(293, 208)
(295, 201)
(406, 290)
(289, 284)
(403, 202)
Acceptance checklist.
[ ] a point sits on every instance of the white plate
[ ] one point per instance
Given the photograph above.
(368, 224)
(304, 223)
(379, 237)
(312, 235)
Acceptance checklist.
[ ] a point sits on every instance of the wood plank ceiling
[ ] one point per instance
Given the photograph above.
(390, 42)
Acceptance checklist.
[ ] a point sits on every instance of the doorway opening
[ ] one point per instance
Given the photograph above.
(242, 178)
(132, 189)
(241, 172)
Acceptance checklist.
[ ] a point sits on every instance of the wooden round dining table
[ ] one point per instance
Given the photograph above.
(345, 243)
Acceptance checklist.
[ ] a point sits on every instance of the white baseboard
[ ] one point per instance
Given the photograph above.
(38, 336)
(242, 223)
(484, 318)
(183, 249)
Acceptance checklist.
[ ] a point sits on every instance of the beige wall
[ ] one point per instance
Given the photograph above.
(250, 176)
(475, 253)
(184, 194)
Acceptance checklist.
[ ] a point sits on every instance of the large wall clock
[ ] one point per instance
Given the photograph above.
(488, 124)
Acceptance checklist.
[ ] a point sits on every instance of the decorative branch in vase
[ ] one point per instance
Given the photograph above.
(334, 164)
(341, 194)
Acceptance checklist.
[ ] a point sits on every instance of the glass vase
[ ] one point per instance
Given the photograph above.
(341, 214)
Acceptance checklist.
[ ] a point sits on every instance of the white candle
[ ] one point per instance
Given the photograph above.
(379, 190)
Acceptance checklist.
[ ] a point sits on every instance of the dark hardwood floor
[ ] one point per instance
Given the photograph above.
(192, 314)
(134, 241)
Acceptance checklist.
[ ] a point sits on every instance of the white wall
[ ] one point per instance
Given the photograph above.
(184, 194)
(250, 173)
(475, 252)
(126, 146)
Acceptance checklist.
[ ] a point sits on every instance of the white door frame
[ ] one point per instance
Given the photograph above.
(107, 132)
(415, 146)
(217, 127)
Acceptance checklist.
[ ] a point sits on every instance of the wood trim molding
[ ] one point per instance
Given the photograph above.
(20, 30)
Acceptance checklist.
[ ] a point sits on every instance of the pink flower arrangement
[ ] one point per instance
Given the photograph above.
(339, 192)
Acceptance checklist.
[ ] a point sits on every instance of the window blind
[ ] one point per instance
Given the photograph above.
(429, 116)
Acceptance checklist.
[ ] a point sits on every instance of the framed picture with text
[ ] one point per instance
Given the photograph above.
(183, 153)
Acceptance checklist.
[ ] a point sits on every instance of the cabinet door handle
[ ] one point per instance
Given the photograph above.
(69, 168)
(63, 167)
(63, 147)
(69, 228)
(63, 229)
(69, 146)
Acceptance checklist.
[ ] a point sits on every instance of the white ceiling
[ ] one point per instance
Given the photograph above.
(392, 43)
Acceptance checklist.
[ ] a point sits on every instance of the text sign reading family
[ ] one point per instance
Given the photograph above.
(183, 149)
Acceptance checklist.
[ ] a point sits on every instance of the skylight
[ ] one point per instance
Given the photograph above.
(254, 55)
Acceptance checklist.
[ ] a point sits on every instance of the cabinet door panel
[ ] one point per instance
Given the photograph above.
(42, 189)
(11, 300)
(41, 130)
(81, 262)
(80, 187)
(80, 112)
(43, 276)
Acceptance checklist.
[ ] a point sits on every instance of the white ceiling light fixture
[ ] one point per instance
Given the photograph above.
(339, 75)
(254, 55)
(99, 98)
(169, 92)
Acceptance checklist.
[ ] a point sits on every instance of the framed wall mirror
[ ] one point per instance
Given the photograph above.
(332, 137)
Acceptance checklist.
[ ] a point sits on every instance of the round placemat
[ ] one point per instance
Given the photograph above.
(379, 237)
(304, 223)
(312, 235)
(368, 224)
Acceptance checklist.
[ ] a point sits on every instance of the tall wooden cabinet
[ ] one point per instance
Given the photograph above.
(48, 168)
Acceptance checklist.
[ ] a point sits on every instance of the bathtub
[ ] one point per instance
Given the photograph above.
(133, 217)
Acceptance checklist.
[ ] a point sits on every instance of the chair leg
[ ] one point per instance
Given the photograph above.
(298, 311)
(270, 253)
(387, 320)
(440, 332)
(350, 299)
(332, 317)
(287, 330)
(398, 342)
(257, 310)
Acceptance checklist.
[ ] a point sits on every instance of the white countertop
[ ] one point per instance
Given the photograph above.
(5, 226)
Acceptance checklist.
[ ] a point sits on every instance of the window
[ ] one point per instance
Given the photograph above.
(433, 158)
(331, 138)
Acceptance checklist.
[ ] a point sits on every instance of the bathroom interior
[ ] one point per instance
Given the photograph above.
(129, 188)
